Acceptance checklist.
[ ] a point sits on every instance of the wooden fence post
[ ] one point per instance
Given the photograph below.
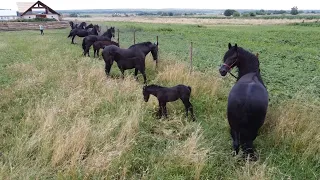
(134, 36)
(191, 56)
(119, 37)
(158, 52)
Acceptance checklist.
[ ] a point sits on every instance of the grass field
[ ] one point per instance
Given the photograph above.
(62, 118)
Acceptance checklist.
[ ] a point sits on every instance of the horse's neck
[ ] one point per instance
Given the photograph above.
(144, 49)
(153, 91)
(247, 65)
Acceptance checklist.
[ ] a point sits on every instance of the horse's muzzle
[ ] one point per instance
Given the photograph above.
(223, 71)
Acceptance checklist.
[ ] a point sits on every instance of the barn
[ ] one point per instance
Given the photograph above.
(31, 10)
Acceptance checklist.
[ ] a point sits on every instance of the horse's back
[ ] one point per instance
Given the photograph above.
(247, 102)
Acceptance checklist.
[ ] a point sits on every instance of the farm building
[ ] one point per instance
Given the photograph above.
(7, 14)
(30, 10)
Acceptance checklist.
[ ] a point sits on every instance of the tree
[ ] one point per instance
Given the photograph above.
(73, 15)
(236, 14)
(294, 10)
(229, 12)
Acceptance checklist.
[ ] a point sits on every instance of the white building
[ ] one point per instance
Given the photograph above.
(29, 10)
(7, 14)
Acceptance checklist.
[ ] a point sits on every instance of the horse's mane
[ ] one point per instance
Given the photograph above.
(141, 44)
(107, 32)
(152, 86)
(248, 54)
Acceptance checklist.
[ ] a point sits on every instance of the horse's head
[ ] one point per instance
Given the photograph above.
(154, 51)
(146, 94)
(96, 27)
(230, 59)
(89, 26)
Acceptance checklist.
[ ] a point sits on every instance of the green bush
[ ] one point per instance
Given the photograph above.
(236, 14)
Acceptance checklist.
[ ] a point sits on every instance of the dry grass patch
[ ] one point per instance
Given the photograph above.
(191, 152)
(297, 120)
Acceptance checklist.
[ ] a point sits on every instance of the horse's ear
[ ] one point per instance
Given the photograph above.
(236, 46)
(229, 46)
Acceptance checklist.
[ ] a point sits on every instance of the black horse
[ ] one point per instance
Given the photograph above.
(77, 26)
(133, 57)
(101, 45)
(83, 32)
(165, 94)
(89, 26)
(89, 40)
(247, 101)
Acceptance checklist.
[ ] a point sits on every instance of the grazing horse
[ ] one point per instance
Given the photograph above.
(165, 94)
(247, 101)
(89, 40)
(83, 32)
(101, 45)
(133, 57)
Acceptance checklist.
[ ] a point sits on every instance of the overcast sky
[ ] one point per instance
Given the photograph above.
(158, 4)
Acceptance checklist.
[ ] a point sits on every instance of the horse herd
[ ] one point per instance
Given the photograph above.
(247, 101)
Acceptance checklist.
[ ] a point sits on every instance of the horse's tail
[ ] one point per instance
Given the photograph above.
(189, 88)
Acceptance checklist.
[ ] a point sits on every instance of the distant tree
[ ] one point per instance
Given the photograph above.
(170, 13)
(301, 12)
(252, 14)
(229, 12)
(294, 10)
(73, 15)
(261, 12)
(236, 14)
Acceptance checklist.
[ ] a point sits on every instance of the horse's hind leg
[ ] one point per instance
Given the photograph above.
(188, 107)
(235, 141)
(136, 74)
(94, 53)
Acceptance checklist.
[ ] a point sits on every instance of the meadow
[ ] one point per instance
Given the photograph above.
(62, 118)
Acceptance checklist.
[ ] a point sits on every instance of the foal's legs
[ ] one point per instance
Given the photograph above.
(162, 109)
(188, 107)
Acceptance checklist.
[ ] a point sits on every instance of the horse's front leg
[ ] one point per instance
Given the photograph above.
(72, 41)
(122, 72)
(98, 52)
(142, 70)
(107, 68)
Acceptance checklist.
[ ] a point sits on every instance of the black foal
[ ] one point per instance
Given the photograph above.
(165, 94)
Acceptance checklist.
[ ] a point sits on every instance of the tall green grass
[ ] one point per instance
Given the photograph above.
(62, 118)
